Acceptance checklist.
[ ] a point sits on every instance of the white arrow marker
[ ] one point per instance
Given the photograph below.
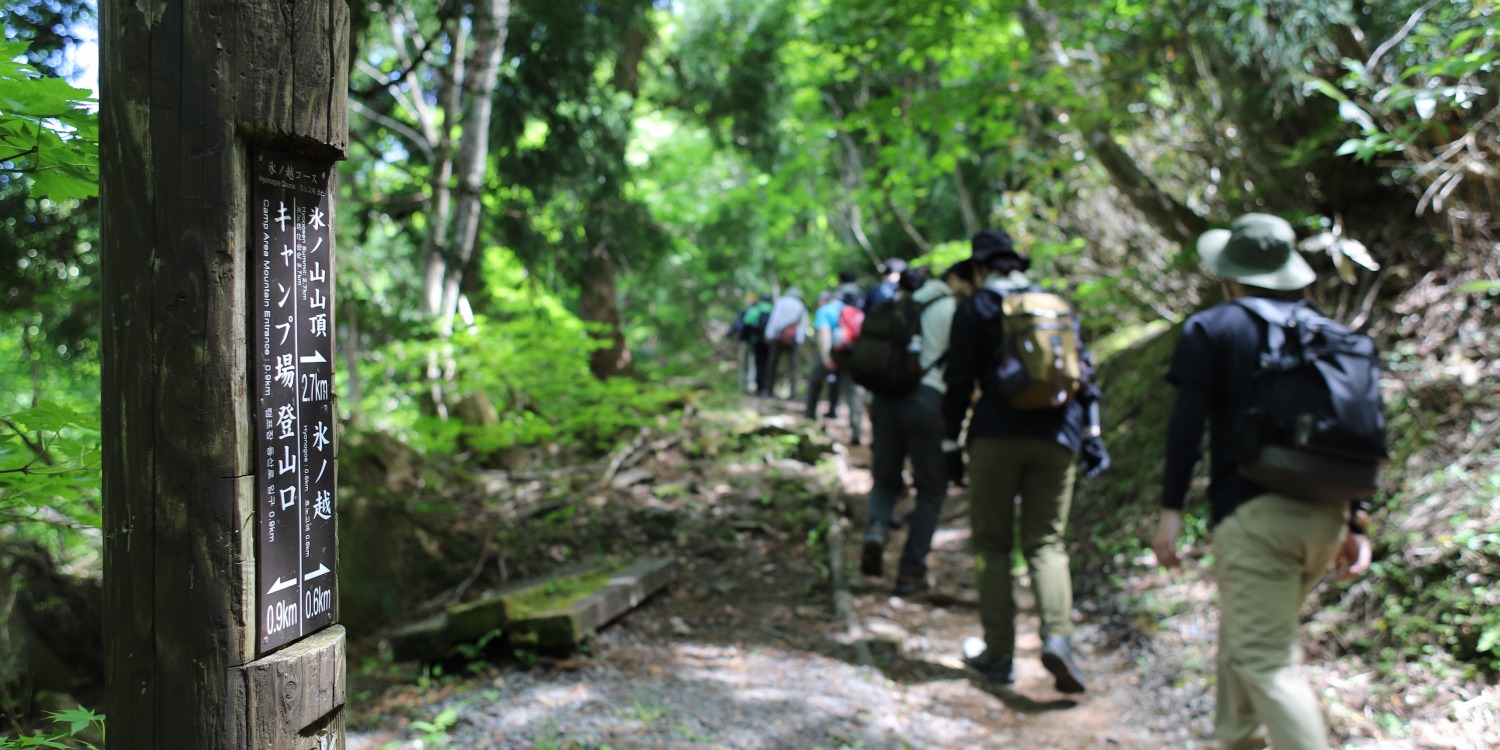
(280, 584)
(317, 356)
(322, 569)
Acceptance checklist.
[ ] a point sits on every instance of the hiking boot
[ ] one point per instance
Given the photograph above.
(870, 562)
(910, 585)
(993, 668)
(1057, 657)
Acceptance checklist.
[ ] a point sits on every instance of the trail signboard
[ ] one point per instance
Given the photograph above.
(291, 384)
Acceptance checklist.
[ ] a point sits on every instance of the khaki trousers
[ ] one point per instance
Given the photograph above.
(1268, 555)
(1041, 472)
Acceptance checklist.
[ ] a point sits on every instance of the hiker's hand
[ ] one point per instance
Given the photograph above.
(829, 365)
(1168, 529)
(953, 458)
(1353, 558)
(1092, 457)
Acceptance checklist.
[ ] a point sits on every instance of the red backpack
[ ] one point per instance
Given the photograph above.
(851, 319)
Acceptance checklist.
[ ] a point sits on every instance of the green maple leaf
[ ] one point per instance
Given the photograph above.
(77, 719)
(48, 129)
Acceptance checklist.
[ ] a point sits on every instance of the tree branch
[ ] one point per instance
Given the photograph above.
(923, 246)
(38, 447)
(411, 62)
(965, 202)
(1175, 220)
(1411, 23)
(18, 155)
(416, 139)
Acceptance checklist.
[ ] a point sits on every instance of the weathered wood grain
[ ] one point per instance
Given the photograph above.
(312, 63)
(126, 182)
(187, 89)
(338, 90)
(263, 76)
(297, 692)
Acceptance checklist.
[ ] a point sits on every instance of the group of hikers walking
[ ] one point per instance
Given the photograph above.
(982, 360)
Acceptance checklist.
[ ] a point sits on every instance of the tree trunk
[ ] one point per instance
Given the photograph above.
(597, 303)
(853, 170)
(439, 212)
(480, 74)
(627, 69)
(598, 295)
(349, 349)
(465, 96)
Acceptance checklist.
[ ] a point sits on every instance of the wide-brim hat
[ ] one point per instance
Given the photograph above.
(963, 269)
(993, 244)
(1258, 250)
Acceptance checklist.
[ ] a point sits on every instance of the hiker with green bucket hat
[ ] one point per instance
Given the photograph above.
(1270, 546)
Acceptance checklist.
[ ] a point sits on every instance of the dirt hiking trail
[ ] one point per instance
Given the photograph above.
(767, 641)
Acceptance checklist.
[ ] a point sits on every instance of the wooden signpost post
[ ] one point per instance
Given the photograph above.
(221, 121)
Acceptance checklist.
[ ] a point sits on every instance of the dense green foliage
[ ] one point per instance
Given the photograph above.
(648, 165)
(501, 353)
(49, 422)
(47, 130)
(49, 483)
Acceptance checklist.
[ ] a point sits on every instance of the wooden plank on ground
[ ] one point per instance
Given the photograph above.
(552, 613)
(474, 620)
(423, 641)
(562, 628)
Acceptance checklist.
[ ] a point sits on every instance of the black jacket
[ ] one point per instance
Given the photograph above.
(971, 360)
(1213, 368)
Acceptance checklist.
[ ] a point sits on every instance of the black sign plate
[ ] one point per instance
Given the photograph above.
(291, 382)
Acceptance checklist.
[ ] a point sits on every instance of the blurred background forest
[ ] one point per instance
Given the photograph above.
(553, 210)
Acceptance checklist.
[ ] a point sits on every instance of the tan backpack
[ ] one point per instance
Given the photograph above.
(1039, 365)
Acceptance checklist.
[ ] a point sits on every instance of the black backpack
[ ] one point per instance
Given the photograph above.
(752, 322)
(882, 360)
(1315, 426)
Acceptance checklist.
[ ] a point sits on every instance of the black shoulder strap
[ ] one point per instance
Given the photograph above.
(1276, 318)
(922, 308)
